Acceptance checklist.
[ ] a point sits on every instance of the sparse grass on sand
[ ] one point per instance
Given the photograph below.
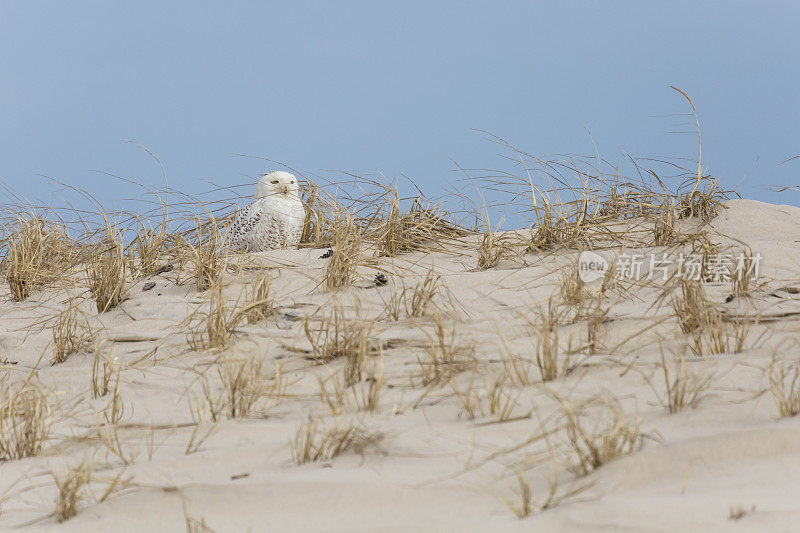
(424, 335)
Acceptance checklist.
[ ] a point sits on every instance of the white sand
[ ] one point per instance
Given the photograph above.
(429, 472)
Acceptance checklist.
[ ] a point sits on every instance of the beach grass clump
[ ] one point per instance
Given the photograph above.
(106, 275)
(784, 386)
(315, 441)
(597, 431)
(491, 249)
(340, 270)
(207, 251)
(215, 328)
(367, 392)
(71, 488)
(336, 336)
(703, 200)
(523, 503)
(571, 287)
(68, 337)
(38, 251)
(442, 358)
(744, 272)
(400, 231)
(699, 318)
(682, 387)
(547, 359)
(259, 303)
(422, 299)
(564, 225)
(322, 214)
(496, 397)
(665, 232)
(552, 360)
(150, 245)
(24, 421)
(243, 383)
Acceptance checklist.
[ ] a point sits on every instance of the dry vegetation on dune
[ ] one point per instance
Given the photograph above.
(161, 340)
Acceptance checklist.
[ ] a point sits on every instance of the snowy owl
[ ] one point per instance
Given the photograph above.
(274, 220)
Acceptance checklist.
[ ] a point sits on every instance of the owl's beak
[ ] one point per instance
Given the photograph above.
(285, 189)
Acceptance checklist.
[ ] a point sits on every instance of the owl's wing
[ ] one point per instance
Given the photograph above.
(242, 229)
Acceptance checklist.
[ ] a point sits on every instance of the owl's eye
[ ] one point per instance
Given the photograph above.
(274, 182)
(292, 182)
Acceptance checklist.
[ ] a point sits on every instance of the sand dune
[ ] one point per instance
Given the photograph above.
(441, 420)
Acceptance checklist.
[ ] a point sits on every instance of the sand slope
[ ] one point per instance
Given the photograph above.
(432, 468)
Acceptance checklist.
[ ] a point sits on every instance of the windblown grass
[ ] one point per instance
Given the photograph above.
(24, 421)
(106, 275)
(68, 335)
(316, 442)
(784, 386)
(597, 430)
(37, 253)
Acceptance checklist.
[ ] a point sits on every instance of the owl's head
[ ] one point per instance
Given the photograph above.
(276, 184)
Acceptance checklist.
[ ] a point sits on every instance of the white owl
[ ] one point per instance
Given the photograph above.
(274, 220)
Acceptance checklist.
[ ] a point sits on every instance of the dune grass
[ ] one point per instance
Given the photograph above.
(416, 344)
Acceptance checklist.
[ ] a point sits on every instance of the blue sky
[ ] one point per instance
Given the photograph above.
(397, 88)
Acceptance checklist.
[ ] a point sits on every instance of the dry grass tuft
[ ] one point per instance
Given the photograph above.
(356, 356)
(321, 214)
(363, 395)
(24, 422)
(336, 397)
(491, 249)
(243, 384)
(496, 398)
(194, 525)
(556, 228)
(551, 360)
(404, 232)
(38, 251)
(67, 335)
(598, 431)
(421, 302)
(743, 273)
(699, 318)
(102, 371)
(517, 368)
(523, 504)
(336, 337)
(106, 276)
(524, 507)
(70, 491)
(216, 327)
(444, 359)
(548, 352)
(738, 512)
(315, 442)
(664, 231)
(112, 413)
(207, 252)
(571, 287)
(150, 245)
(367, 393)
(259, 302)
(682, 387)
(701, 201)
(784, 385)
(340, 270)
(692, 308)
(245, 388)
